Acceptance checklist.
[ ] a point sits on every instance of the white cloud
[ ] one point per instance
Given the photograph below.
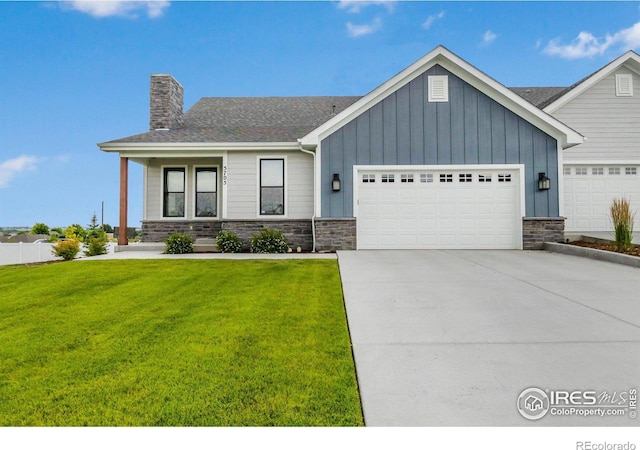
(355, 6)
(586, 45)
(431, 19)
(120, 8)
(11, 167)
(363, 30)
(488, 37)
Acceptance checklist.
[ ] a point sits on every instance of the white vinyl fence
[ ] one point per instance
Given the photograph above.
(22, 253)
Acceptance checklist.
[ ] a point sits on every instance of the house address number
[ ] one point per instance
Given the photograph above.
(224, 175)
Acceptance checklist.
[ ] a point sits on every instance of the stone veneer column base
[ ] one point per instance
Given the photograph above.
(538, 230)
(335, 234)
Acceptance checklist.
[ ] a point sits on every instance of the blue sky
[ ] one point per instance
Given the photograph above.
(76, 73)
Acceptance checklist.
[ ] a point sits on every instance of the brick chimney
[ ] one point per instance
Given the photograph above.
(166, 103)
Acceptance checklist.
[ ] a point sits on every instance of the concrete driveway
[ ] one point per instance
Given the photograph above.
(446, 337)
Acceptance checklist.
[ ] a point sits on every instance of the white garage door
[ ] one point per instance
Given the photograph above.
(438, 209)
(589, 191)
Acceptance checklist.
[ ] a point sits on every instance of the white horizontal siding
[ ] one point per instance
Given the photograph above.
(242, 169)
(242, 184)
(153, 193)
(300, 185)
(611, 124)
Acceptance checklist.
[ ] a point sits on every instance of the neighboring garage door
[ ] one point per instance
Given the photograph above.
(590, 189)
(438, 209)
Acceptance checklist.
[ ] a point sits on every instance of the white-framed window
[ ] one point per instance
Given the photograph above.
(446, 178)
(597, 171)
(272, 186)
(465, 178)
(206, 187)
(388, 178)
(406, 178)
(581, 171)
(566, 170)
(630, 170)
(438, 88)
(368, 177)
(426, 178)
(614, 170)
(484, 178)
(624, 85)
(504, 178)
(174, 191)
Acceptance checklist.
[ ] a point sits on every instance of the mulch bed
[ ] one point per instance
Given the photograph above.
(634, 251)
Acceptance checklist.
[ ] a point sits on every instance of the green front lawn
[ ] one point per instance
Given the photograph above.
(175, 342)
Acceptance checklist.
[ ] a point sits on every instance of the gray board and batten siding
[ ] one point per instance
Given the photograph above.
(406, 129)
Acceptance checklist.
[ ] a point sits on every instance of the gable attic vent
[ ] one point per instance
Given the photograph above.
(438, 88)
(624, 85)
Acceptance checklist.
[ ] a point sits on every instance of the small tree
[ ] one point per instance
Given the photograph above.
(39, 228)
(107, 228)
(95, 241)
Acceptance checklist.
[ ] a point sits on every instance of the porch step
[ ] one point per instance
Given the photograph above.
(208, 245)
(141, 247)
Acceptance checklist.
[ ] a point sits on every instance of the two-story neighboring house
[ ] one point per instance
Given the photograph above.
(605, 108)
(439, 156)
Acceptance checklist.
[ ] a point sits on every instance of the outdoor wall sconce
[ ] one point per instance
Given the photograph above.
(335, 184)
(544, 183)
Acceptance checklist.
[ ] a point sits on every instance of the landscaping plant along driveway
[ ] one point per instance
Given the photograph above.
(176, 343)
(456, 337)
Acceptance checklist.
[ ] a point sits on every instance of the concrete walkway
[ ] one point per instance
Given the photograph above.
(446, 338)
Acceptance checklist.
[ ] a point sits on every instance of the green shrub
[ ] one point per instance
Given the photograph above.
(622, 219)
(39, 228)
(66, 250)
(179, 243)
(269, 241)
(95, 246)
(228, 242)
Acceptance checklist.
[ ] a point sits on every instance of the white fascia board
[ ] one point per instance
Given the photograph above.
(179, 148)
(468, 73)
(631, 60)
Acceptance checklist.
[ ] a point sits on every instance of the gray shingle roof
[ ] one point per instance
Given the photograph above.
(249, 119)
(276, 119)
(540, 96)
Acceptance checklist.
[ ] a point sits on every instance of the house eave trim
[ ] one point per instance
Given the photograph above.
(166, 147)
